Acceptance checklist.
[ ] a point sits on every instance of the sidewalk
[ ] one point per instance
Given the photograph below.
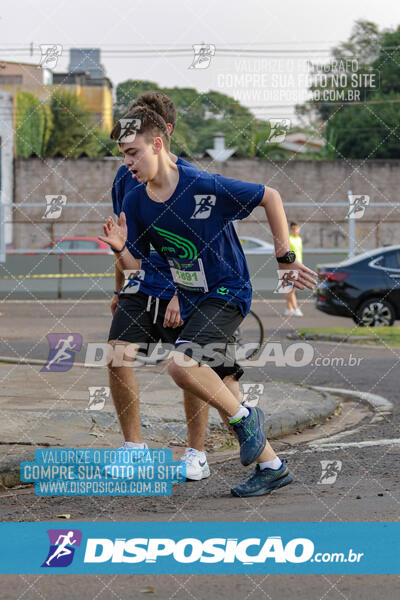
(40, 409)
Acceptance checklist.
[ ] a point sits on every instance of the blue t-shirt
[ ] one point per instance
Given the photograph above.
(193, 231)
(156, 279)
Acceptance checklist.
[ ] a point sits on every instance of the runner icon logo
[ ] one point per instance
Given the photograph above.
(252, 393)
(63, 543)
(54, 206)
(62, 351)
(278, 130)
(49, 55)
(285, 281)
(128, 130)
(202, 56)
(357, 206)
(98, 396)
(330, 471)
(133, 279)
(204, 204)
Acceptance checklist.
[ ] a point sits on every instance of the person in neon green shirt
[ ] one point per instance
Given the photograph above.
(296, 244)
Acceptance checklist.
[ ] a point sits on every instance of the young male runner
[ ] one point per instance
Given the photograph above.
(151, 304)
(185, 214)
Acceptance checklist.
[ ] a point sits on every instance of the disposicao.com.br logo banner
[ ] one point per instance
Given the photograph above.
(150, 548)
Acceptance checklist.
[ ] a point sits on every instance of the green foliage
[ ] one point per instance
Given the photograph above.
(65, 127)
(100, 144)
(127, 91)
(369, 129)
(49, 125)
(33, 124)
(200, 116)
(73, 134)
(387, 63)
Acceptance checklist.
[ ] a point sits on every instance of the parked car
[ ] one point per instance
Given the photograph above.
(365, 287)
(79, 245)
(252, 245)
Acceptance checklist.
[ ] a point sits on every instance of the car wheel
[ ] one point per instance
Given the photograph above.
(375, 312)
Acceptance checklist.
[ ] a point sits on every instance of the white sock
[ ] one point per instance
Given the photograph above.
(242, 412)
(275, 464)
(137, 445)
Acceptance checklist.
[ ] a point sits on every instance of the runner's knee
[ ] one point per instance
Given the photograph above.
(121, 355)
(179, 367)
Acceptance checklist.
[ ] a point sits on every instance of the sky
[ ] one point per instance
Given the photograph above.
(261, 47)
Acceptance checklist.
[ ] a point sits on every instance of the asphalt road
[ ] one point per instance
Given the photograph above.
(366, 489)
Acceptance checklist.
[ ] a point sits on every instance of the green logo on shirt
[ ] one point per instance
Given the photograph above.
(222, 290)
(186, 247)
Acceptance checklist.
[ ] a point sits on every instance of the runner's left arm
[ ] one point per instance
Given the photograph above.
(237, 199)
(276, 216)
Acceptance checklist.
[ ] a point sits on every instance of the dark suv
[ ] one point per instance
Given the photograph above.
(365, 287)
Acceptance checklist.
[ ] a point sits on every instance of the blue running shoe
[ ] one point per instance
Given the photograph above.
(250, 432)
(263, 482)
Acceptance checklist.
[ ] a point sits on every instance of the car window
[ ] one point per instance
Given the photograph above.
(391, 260)
(371, 255)
(249, 244)
(63, 245)
(85, 245)
(378, 262)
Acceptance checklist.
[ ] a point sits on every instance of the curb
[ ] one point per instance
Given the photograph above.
(276, 425)
(9, 471)
(380, 405)
(331, 337)
(289, 422)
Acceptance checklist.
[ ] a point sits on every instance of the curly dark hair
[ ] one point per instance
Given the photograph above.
(160, 103)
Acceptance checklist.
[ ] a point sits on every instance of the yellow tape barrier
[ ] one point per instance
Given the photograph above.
(58, 275)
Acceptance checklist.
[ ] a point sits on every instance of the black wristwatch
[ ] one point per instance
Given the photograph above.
(287, 258)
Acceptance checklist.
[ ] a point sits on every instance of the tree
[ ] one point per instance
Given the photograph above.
(368, 129)
(33, 125)
(73, 132)
(200, 116)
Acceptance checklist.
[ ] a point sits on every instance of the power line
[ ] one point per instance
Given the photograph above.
(319, 102)
(186, 50)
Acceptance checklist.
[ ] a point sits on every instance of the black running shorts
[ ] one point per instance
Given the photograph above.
(139, 320)
(208, 332)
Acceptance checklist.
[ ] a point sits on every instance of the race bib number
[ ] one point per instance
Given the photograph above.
(133, 280)
(194, 279)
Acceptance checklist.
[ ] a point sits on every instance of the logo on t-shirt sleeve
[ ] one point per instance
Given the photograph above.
(204, 204)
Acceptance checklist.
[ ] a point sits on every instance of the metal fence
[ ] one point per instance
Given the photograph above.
(48, 273)
(55, 275)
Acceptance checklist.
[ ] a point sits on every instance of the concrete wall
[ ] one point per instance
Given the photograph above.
(88, 181)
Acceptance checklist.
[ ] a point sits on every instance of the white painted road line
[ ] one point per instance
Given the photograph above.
(366, 444)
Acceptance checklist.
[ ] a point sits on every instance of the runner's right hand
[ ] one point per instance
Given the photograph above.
(115, 235)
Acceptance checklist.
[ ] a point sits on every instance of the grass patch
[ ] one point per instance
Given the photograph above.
(382, 335)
